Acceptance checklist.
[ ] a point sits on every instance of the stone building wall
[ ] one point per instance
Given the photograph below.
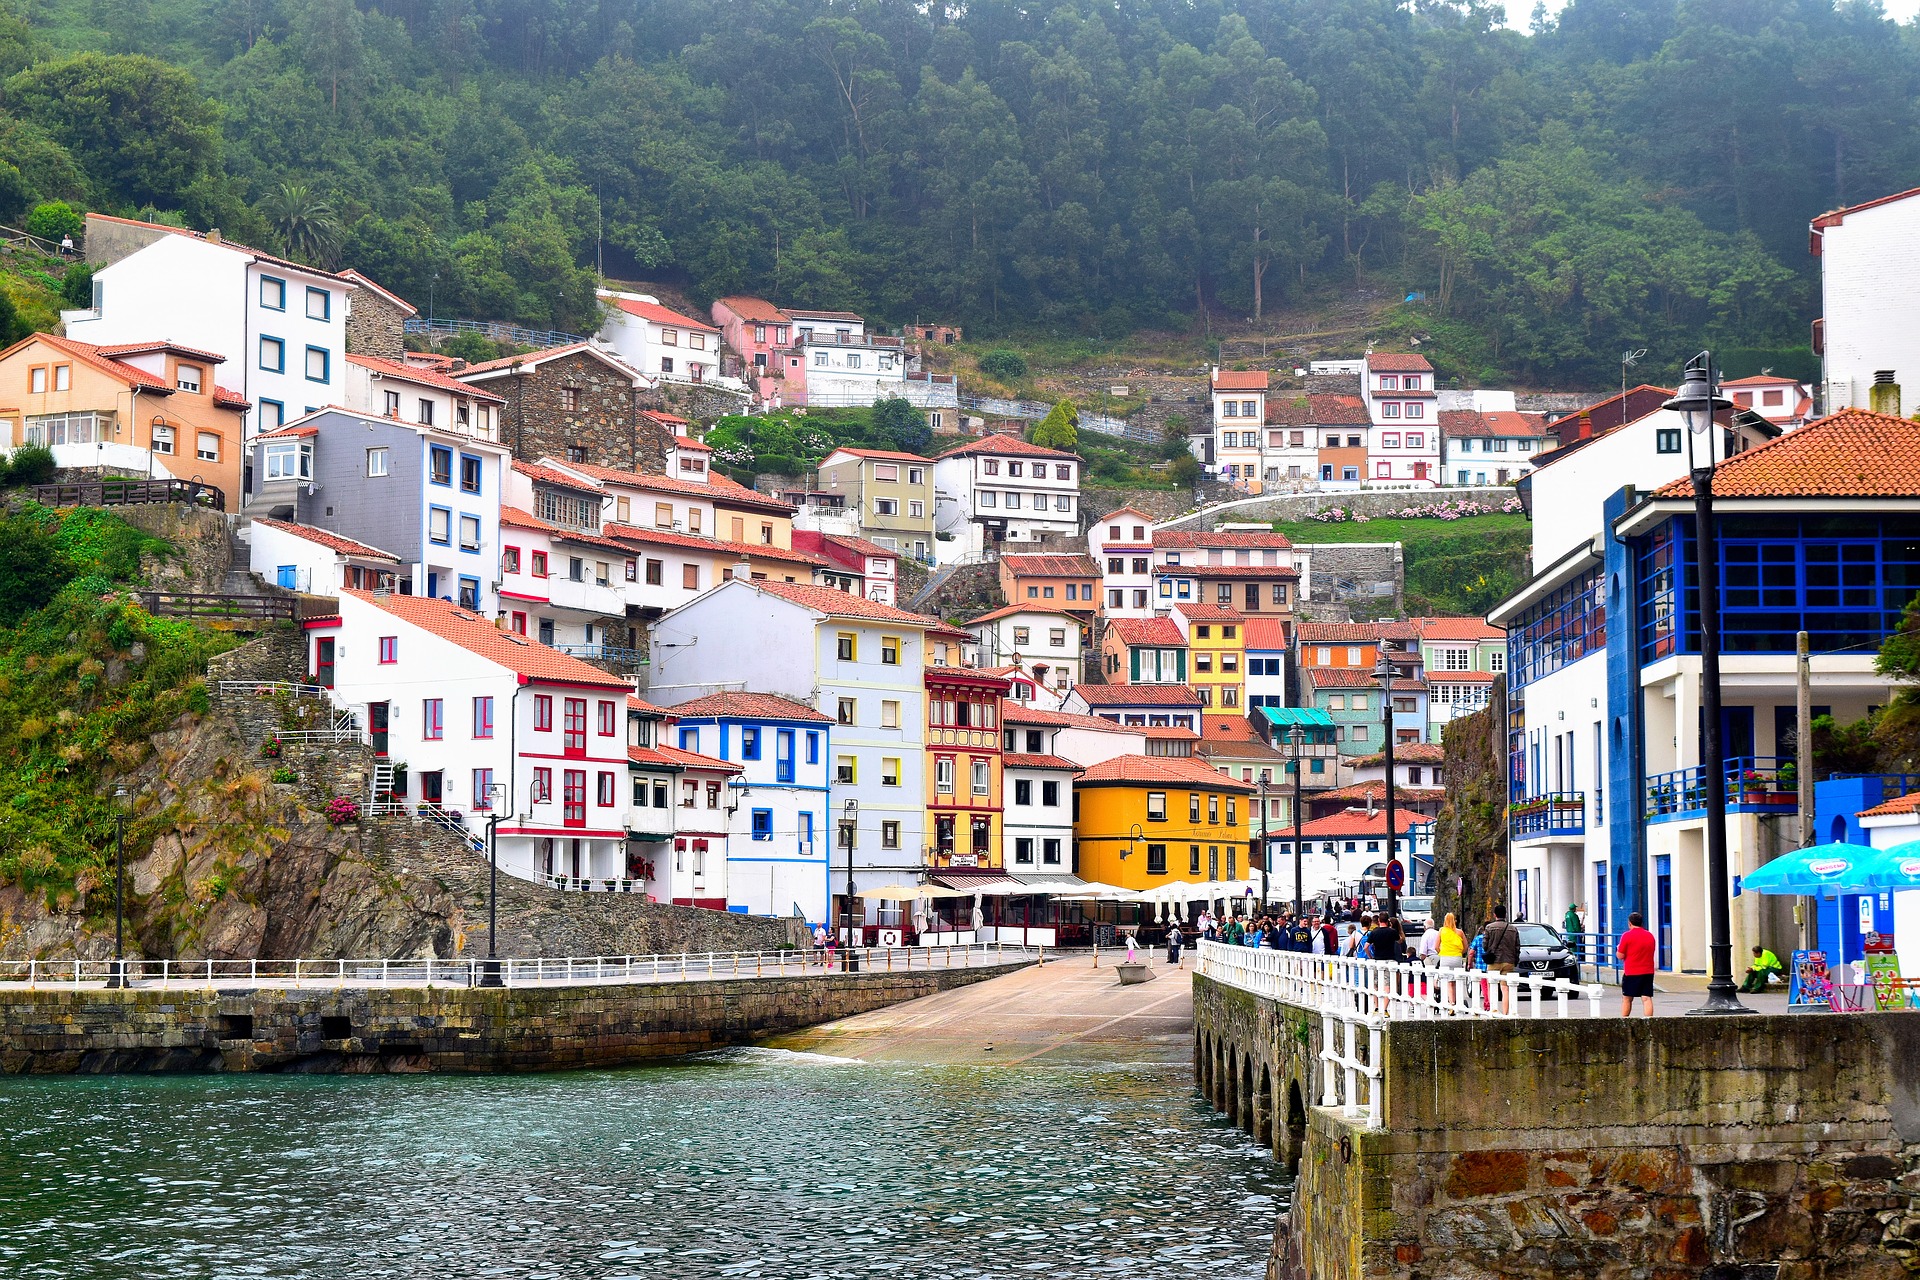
(697, 402)
(375, 327)
(1366, 502)
(606, 428)
(1366, 579)
(448, 1028)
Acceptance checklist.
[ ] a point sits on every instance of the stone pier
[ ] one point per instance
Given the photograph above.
(447, 1028)
(1769, 1147)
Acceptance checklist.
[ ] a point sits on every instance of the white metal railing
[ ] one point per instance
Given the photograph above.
(267, 689)
(594, 884)
(1385, 989)
(515, 971)
(1344, 1071)
(341, 727)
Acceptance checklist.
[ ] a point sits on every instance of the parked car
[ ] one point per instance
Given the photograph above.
(1544, 953)
(1416, 914)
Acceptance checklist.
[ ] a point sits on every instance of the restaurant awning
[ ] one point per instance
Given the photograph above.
(1312, 716)
(993, 886)
(909, 892)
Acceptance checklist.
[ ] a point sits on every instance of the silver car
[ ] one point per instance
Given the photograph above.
(1416, 915)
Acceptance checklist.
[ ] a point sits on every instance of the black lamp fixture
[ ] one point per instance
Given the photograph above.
(849, 825)
(490, 970)
(1697, 402)
(1298, 735)
(1383, 672)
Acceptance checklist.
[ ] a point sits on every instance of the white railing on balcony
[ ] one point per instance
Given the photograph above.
(1344, 1071)
(267, 689)
(1385, 989)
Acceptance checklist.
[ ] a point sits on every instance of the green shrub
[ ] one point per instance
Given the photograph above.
(76, 286)
(54, 219)
(1007, 366)
(29, 464)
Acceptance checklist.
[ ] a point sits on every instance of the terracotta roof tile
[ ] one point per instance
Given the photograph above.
(1909, 803)
(1474, 424)
(1008, 611)
(1159, 633)
(1019, 760)
(97, 357)
(1398, 362)
(424, 377)
(1356, 678)
(1209, 613)
(1180, 771)
(883, 455)
(753, 309)
(655, 312)
(1357, 822)
(1219, 540)
(1137, 695)
(858, 546)
(329, 539)
(118, 349)
(717, 488)
(1457, 629)
(554, 476)
(1406, 753)
(1017, 713)
(1008, 445)
(477, 635)
(1375, 789)
(641, 535)
(674, 758)
(515, 518)
(228, 398)
(1051, 566)
(1241, 380)
(1266, 633)
(735, 705)
(1850, 454)
(841, 604)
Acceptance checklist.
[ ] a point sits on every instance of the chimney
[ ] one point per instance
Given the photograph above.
(213, 235)
(1885, 395)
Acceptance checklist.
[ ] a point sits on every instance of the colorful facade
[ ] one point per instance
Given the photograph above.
(1145, 821)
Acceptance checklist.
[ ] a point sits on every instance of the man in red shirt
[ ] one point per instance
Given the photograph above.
(1636, 951)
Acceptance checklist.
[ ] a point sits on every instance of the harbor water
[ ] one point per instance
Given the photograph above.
(747, 1163)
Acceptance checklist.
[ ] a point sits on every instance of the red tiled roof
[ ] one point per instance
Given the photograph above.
(1457, 629)
(642, 705)
(688, 442)
(1339, 633)
(96, 357)
(1355, 678)
(734, 705)
(1137, 695)
(1605, 415)
(1157, 632)
(479, 636)
(841, 604)
(800, 314)
(533, 359)
(1266, 633)
(674, 758)
(1909, 803)
(1020, 760)
(1219, 540)
(1178, 771)
(1194, 612)
(1834, 217)
(858, 546)
(1854, 453)
(554, 476)
(696, 542)
(227, 398)
(655, 312)
(1761, 380)
(1008, 611)
(1473, 423)
(884, 455)
(1461, 677)
(1008, 445)
(329, 539)
(753, 309)
(515, 518)
(1320, 410)
(1117, 512)
(717, 488)
(1398, 362)
(365, 281)
(1051, 566)
(1375, 789)
(1241, 380)
(1261, 572)
(1358, 822)
(422, 377)
(1406, 753)
(1017, 713)
(140, 348)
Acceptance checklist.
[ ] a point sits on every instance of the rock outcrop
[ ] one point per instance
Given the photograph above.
(1470, 835)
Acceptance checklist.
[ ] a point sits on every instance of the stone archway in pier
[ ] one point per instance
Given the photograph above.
(1292, 1137)
(1243, 1114)
(1262, 1127)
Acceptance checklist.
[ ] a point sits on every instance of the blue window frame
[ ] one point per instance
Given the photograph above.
(806, 829)
(272, 414)
(273, 293)
(470, 471)
(319, 364)
(783, 755)
(319, 304)
(763, 824)
(469, 593)
(750, 742)
(273, 354)
(287, 576)
(440, 526)
(440, 465)
(813, 748)
(689, 739)
(1564, 627)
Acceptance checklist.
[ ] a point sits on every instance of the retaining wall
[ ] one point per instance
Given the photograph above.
(1766, 1147)
(447, 1029)
(1368, 502)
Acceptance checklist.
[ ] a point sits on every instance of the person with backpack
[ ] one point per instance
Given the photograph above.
(1503, 951)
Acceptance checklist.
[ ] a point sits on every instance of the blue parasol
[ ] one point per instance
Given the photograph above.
(1896, 868)
(1821, 870)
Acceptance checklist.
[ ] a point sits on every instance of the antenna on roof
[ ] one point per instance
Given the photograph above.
(1628, 359)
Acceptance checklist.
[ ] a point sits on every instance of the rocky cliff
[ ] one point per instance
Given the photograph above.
(1470, 836)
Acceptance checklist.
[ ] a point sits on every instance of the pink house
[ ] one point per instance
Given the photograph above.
(1406, 428)
(757, 330)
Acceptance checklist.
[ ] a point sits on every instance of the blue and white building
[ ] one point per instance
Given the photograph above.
(1606, 780)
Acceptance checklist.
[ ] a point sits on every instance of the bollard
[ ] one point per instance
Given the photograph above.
(1096, 953)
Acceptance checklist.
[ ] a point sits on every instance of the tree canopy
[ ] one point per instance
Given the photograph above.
(1632, 173)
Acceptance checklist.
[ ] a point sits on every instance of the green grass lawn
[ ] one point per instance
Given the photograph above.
(1453, 567)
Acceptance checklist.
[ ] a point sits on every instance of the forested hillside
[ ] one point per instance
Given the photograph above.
(1638, 173)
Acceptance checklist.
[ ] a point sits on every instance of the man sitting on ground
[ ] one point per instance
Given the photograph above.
(1766, 966)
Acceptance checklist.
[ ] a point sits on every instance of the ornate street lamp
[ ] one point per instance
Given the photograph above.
(490, 971)
(1383, 672)
(1299, 736)
(1697, 402)
(849, 824)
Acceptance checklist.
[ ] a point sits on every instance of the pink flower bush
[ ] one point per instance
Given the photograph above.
(1447, 510)
(343, 809)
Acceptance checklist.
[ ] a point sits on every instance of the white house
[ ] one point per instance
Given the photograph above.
(281, 325)
(1867, 335)
(1490, 446)
(469, 708)
(1785, 402)
(1001, 488)
(1121, 543)
(1406, 431)
(415, 393)
(1036, 800)
(1083, 739)
(1239, 426)
(856, 661)
(1045, 642)
(659, 342)
(1266, 656)
(299, 557)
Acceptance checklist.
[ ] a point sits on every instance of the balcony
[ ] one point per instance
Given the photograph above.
(612, 658)
(1755, 784)
(1549, 817)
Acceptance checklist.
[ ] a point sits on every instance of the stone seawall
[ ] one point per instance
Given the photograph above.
(444, 1029)
(1770, 1147)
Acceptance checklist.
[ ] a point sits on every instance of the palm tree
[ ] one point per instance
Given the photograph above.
(306, 223)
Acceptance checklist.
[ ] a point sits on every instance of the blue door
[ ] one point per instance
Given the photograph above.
(1663, 907)
(433, 586)
(288, 576)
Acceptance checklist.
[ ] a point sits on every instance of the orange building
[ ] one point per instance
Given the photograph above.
(1058, 581)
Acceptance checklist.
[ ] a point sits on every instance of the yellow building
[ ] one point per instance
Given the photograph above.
(145, 409)
(1216, 659)
(1141, 821)
(964, 804)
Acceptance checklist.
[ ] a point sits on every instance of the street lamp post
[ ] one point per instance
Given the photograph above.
(118, 978)
(1698, 400)
(490, 971)
(1299, 736)
(849, 824)
(1383, 671)
(1266, 848)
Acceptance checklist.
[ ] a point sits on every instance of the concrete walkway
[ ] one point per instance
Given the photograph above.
(1065, 1012)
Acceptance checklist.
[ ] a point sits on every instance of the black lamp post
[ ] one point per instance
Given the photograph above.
(1266, 847)
(118, 978)
(849, 824)
(1698, 400)
(1383, 671)
(1299, 736)
(490, 971)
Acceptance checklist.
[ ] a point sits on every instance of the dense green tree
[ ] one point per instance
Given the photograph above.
(1060, 429)
(902, 425)
(32, 567)
(306, 223)
(55, 219)
(140, 129)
